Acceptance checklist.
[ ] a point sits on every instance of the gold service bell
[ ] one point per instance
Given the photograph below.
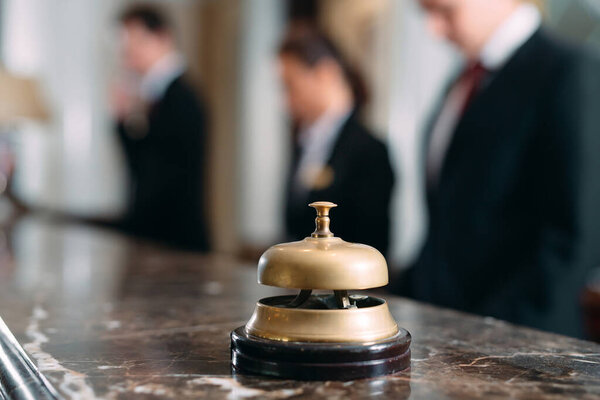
(334, 336)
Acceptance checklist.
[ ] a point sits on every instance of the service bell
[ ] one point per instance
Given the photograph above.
(323, 336)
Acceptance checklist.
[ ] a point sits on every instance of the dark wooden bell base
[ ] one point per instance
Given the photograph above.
(319, 361)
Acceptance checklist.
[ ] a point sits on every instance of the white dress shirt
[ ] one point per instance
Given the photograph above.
(316, 144)
(503, 43)
(155, 82)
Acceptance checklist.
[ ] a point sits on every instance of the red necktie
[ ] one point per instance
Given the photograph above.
(471, 81)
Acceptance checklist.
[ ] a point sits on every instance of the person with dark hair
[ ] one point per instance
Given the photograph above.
(161, 124)
(335, 157)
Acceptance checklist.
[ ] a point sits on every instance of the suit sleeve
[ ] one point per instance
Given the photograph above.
(570, 173)
(127, 143)
(373, 195)
(567, 168)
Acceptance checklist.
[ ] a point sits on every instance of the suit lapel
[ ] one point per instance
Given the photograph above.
(494, 102)
(337, 154)
(345, 131)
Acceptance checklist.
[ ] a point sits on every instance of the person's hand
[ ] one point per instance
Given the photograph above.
(122, 101)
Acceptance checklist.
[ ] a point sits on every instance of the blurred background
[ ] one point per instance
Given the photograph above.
(67, 159)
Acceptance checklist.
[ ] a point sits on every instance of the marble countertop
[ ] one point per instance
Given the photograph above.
(105, 317)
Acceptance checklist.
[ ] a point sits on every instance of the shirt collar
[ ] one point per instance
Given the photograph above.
(156, 81)
(509, 36)
(324, 128)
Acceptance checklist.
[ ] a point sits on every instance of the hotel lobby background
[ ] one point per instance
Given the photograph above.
(73, 164)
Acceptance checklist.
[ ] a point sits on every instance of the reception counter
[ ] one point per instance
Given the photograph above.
(88, 313)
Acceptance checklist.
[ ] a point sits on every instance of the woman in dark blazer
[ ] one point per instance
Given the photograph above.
(335, 156)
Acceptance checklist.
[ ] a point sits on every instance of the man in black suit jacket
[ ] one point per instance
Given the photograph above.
(336, 158)
(513, 171)
(162, 130)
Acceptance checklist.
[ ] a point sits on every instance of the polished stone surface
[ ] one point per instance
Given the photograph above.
(105, 317)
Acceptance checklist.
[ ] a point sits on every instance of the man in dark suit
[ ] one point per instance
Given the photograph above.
(162, 128)
(513, 171)
(336, 158)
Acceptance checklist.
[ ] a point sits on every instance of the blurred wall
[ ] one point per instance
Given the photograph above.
(218, 30)
(71, 163)
(263, 132)
(578, 20)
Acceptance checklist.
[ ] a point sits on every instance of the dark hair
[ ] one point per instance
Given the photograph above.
(312, 46)
(148, 15)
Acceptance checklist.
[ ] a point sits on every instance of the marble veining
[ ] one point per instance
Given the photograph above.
(72, 384)
(235, 390)
(153, 323)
